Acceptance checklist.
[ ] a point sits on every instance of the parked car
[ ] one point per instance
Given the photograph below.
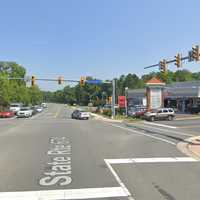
(140, 111)
(15, 107)
(39, 109)
(131, 112)
(74, 114)
(137, 111)
(6, 114)
(25, 112)
(44, 105)
(34, 110)
(160, 114)
(195, 109)
(80, 114)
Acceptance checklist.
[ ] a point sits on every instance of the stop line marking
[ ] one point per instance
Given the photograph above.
(151, 160)
(85, 193)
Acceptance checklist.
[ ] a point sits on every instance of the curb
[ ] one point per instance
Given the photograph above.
(99, 117)
(187, 118)
(185, 148)
(193, 139)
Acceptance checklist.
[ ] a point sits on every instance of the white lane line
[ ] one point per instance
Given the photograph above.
(170, 131)
(151, 160)
(140, 133)
(161, 125)
(85, 193)
(128, 194)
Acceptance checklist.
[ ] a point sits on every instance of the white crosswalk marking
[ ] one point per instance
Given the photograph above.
(85, 193)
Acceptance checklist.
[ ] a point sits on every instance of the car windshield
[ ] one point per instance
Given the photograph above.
(24, 109)
(15, 105)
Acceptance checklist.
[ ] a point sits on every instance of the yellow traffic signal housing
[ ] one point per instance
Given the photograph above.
(163, 66)
(195, 52)
(60, 80)
(178, 62)
(33, 80)
(82, 81)
(109, 100)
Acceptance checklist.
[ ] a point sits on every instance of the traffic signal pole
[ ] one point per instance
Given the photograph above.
(113, 99)
(193, 55)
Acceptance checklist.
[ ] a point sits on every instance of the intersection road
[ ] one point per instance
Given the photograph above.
(51, 156)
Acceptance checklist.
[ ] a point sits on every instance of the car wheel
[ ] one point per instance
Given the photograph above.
(170, 118)
(152, 118)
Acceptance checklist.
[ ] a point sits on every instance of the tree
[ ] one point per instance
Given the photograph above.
(196, 76)
(182, 75)
(35, 95)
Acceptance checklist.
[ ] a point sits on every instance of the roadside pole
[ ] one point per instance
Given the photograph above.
(113, 99)
(126, 103)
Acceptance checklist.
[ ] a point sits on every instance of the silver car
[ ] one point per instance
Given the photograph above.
(25, 112)
(160, 114)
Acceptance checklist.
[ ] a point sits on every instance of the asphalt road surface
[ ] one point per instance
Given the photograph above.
(52, 157)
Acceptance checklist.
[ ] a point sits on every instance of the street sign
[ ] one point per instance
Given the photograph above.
(96, 81)
(122, 101)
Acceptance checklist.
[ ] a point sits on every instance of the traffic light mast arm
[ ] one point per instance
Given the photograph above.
(167, 62)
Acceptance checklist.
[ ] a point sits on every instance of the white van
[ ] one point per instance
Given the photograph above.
(15, 107)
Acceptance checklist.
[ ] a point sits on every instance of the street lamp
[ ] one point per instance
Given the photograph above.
(126, 105)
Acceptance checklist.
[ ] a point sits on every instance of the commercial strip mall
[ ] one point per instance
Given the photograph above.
(180, 95)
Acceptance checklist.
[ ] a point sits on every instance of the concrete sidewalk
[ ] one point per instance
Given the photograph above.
(194, 146)
(190, 147)
(180, 116)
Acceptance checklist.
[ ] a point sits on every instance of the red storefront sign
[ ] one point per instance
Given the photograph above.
(122, 101)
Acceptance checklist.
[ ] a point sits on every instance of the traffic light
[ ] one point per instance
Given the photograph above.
(33, 80)
(82, 81)
(163, 66)
(195, 52)
(109, 100)
(60, 80)
(178, 62)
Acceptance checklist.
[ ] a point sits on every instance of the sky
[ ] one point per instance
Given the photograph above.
(99, 38)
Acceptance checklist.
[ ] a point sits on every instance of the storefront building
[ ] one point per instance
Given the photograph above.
(181, 96)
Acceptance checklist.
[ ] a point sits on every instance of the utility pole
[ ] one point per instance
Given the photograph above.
(126, 103)
(113, 99)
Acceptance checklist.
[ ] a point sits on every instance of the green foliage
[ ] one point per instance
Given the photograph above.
(97, 94)
(182, 75)
(107, 112)
(16, 90)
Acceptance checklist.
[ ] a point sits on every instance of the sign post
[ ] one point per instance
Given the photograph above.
(126, 103)
(113, 99)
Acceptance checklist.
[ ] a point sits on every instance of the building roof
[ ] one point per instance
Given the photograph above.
(155, 81)
(187, 84)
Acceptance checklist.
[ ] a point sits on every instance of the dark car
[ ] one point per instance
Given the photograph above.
(195, 109)
(33, 108)
(75, 114)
